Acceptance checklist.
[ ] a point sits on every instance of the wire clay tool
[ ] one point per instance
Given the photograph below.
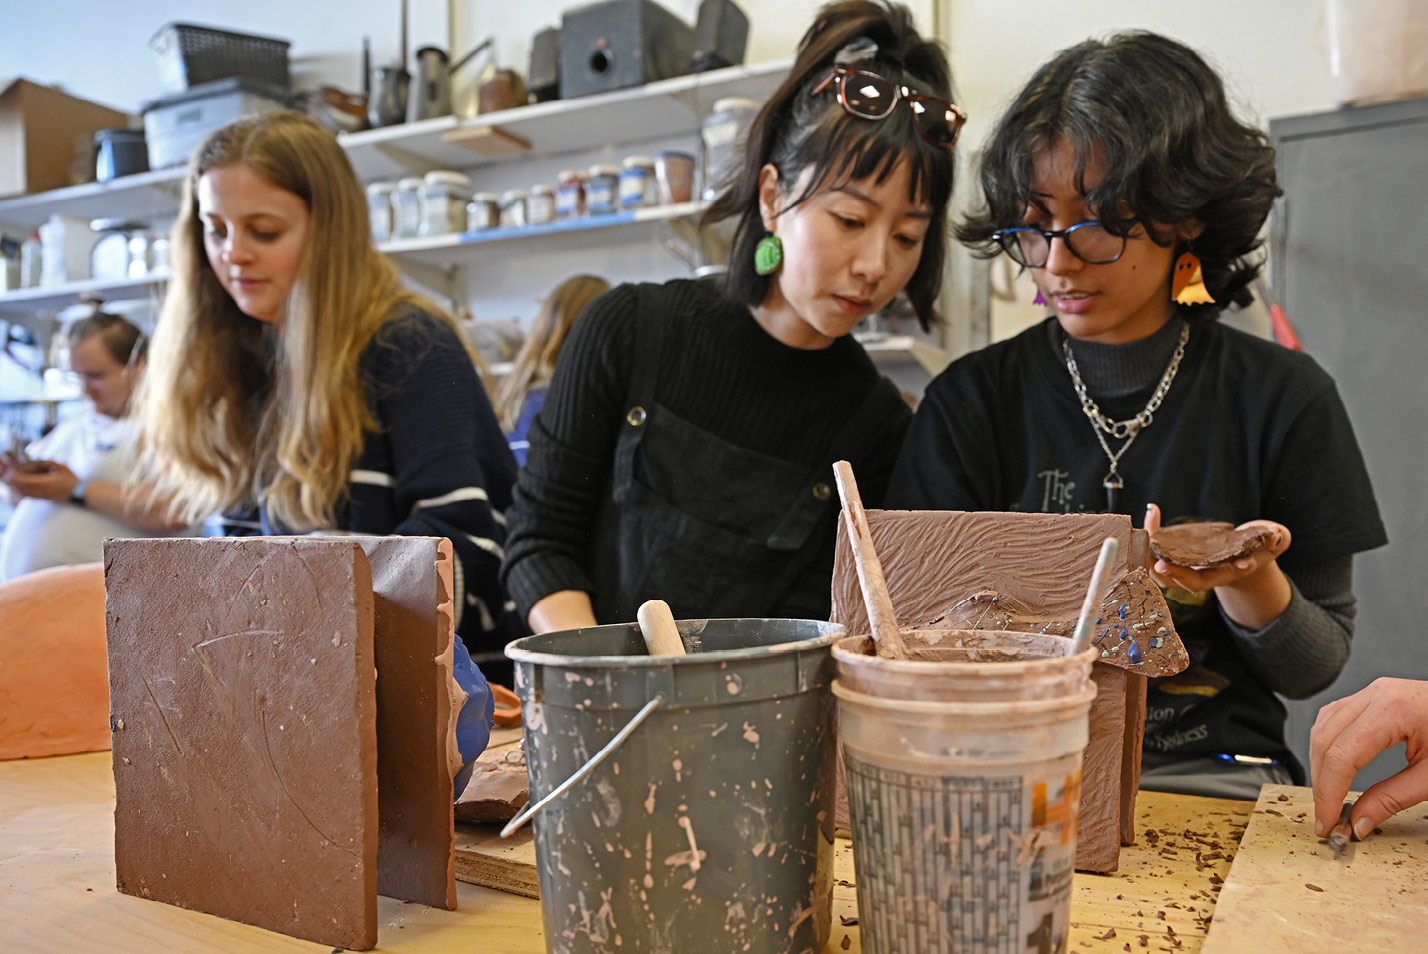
(1342, 833)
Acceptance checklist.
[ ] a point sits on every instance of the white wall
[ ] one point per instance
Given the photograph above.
(1271, 53)
(1270, 50)
(99, 49)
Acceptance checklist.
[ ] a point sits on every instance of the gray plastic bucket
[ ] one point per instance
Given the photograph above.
(709, 827)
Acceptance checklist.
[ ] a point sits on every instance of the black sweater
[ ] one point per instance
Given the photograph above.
(734, 420)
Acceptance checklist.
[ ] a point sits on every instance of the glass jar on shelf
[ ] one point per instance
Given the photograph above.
(637, 182)
(602, 187)
(406, 208)
(540, 205)
(379, 209)
(444, 195)
(570, 194)
(513, 209)
(483, 212)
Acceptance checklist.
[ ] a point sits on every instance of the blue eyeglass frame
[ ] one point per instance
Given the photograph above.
(1006, 238)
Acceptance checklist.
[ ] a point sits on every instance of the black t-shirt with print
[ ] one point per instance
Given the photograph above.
(1249, 430)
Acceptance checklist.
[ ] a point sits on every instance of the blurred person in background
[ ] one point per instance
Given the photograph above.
(67, 487)
(521, 393)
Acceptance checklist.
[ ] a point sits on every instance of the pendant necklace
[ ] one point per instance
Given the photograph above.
(1129, 429)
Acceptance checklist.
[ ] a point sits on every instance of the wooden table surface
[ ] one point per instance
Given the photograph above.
(57, 883)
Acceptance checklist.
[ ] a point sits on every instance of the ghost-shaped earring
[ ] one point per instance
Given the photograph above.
(1187, 286)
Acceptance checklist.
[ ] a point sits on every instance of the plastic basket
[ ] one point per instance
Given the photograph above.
(190, 55)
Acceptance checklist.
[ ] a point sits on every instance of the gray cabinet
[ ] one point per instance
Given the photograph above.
(1349, 262)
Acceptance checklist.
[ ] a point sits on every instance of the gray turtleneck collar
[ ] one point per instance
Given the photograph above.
(1115, 370)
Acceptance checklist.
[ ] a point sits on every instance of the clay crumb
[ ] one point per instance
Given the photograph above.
(1282, 797)
(847, 920)
(1144, 940)
(847, 942)
(1312, 887)
(1110, 933)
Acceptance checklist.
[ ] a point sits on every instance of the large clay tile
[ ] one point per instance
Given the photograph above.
(243, 696)
(1029, 573)
(54, 679)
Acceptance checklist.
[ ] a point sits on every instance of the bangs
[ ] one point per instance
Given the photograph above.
(843, 148)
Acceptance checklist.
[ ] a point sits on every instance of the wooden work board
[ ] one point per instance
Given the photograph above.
(1287, 892)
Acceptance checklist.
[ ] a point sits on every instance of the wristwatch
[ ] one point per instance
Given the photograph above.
(80, 491)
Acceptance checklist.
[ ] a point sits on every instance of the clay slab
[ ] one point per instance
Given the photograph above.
(414, 637)
(243, 710)
(1207, 543)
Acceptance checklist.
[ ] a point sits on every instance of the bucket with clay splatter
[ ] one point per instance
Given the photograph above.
(700, 815)
(964, 777)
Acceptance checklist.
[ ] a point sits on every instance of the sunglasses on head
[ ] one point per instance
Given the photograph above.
(870, 96)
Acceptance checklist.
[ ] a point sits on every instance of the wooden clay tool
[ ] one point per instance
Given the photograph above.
(881, 615)
(657, 627)
(1095, 593)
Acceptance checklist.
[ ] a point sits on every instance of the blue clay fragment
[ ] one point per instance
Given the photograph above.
(1133, 653)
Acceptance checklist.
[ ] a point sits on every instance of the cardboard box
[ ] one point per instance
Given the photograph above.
(40, 129)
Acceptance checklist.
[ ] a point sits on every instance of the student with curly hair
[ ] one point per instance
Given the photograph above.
(1122, 180)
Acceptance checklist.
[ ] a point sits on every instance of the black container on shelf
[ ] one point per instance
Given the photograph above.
(190, 55)
(721, 32)
(620, 43)
(543, 77)
(119, 152)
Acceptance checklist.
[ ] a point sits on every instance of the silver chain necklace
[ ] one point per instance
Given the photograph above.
(1130, 428)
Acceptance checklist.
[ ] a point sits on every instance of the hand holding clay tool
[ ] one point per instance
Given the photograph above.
(881, 615)
(657, 627)
(1090, 608)
(1342, 833)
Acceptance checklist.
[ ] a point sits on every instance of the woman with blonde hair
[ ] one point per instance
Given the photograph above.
(522, 392)
(291, 376)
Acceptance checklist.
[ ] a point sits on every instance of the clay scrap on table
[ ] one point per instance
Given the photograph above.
(1206, 544)
(48, 708)
(1029, 572)
(253, 683)
(499, 786)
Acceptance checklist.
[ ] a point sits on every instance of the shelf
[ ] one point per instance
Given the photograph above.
(454, 249)
(144, 196)
(439, 251)
(664, 107)
(29, 301)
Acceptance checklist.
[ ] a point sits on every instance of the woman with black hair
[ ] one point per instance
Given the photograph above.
(684, 449)
(1123, 182)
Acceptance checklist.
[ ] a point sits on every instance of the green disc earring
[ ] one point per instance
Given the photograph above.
(768, 255)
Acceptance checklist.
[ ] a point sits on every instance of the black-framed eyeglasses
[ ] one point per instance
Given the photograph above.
(1091, 242)
(870, 96)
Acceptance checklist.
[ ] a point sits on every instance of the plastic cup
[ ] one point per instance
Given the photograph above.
(964, 780)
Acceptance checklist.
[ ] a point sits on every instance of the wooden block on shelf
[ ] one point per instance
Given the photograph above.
(487, 140)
